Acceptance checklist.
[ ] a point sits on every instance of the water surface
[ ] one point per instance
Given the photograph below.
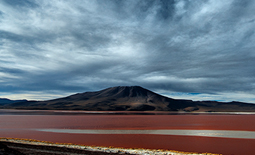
(227, 134)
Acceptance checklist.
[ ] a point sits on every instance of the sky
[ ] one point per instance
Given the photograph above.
(187, 49)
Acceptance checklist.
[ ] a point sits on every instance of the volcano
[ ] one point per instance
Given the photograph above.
(130, 98)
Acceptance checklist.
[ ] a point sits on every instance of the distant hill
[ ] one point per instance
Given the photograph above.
(4, 101)
(131, 98)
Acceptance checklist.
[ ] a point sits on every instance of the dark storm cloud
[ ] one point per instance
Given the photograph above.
(168, 46)
(23, 3)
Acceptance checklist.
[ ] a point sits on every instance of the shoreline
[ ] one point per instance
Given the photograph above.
(80, 112)
(45, 146)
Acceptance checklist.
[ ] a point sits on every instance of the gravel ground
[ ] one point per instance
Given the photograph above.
(26, 149)
(32, 147)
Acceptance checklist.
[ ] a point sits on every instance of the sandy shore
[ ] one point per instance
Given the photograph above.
(13, 146)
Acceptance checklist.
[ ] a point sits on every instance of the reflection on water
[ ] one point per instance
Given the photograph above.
(204, 133)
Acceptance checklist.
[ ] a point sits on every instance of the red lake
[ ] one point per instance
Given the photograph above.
(227, 134)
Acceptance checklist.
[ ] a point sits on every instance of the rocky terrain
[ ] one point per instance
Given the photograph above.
(32, 147)
(129, 98)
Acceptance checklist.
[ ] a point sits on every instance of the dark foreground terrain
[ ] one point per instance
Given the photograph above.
(9, 148)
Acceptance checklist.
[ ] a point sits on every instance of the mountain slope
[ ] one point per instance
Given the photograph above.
(129, 98)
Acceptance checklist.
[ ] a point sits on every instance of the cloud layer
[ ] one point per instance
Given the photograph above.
(169, 46)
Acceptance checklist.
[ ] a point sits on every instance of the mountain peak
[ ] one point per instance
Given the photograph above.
(125, 91)
(126, 87)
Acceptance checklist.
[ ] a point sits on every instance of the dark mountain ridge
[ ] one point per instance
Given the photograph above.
(4, 101)
(131, 98)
